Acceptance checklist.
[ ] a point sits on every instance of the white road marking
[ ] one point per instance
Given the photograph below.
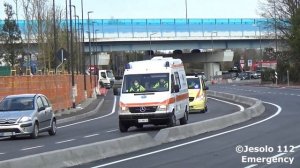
(114, 130)
(88, 136)
(25, 149)
(69, 140)
(195, 141)
(250, 166)
(113, 111)
(2, 153)
(278, 155)
(241, 107)
(297, 146)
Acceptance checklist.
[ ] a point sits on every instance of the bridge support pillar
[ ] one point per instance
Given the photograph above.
(211, 69)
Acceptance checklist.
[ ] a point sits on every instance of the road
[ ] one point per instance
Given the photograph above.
(261, 142)
(103, 126)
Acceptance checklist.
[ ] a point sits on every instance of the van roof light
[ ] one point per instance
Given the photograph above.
(127, 66)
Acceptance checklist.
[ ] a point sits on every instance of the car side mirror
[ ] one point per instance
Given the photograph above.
(116, 91)
(175, 89)
(42, 108)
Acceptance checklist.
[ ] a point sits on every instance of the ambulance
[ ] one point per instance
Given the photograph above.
(153, 92)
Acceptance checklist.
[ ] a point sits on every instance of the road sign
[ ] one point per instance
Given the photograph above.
(249, 63)
(242, 66)
(276, 75)
(62, 54)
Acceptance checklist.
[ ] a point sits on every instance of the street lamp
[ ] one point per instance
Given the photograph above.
(76, 56)
(150, 43)
(186, 10)
(71, 53)
(78, 47)
(83, 56)
(89, 33)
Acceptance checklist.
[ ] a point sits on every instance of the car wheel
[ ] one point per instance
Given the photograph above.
(184, 119)
(123, 127)
(204, 110)
(35, 131)
(172, 121)
(52, 130)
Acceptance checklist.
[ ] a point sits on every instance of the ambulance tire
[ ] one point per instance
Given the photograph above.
(184, 119)
(123, 127)
(172, 121)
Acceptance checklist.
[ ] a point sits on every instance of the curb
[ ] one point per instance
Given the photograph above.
(100, 150)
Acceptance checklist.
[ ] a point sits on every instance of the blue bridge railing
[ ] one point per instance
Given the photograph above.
(117, 28)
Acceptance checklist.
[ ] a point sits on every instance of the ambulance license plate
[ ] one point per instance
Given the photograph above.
(143, 120)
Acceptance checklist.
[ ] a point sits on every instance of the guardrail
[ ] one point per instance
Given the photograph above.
(100, 150)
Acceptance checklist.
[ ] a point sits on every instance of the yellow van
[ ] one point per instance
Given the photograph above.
(197, 93)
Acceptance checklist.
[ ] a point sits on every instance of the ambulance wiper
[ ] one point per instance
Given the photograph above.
(145, 93)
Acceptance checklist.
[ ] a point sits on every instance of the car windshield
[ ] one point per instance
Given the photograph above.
(17, 104)
(193, 83)
(156, 82)
(109, 74)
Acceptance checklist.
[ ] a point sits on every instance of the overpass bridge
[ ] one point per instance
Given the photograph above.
(173, 34)
(109, 35)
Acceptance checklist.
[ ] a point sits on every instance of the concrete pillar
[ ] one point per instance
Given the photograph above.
(211, 69)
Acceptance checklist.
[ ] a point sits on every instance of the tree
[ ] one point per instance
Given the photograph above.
(10, 35)
(284, 19)
(284, 16)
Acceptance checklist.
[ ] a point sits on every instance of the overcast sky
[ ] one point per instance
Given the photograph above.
(106, 9)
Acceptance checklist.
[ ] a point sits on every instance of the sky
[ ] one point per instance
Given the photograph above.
(135, 9)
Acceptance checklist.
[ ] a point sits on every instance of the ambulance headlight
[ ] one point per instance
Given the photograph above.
(162, 108)
(124, 109)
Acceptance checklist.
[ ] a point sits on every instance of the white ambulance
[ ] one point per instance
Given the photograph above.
(153, 92)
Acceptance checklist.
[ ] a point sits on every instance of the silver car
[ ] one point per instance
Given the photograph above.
(26, 114)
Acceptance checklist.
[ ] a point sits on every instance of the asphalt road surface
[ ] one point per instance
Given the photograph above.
(270, 140)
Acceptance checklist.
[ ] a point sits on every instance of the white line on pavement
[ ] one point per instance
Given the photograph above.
(241, 107)
(24, 149)
(69, 140)
(88, 136)
(2, 153)
(194, 141)
(250, 166)
(112, 130)
(113, 111)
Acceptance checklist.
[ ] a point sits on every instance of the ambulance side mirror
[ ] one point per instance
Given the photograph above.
(175, 89)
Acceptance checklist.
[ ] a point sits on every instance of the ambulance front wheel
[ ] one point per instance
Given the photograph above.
(123, 127)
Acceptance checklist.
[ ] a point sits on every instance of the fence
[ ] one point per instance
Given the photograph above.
(58, 88)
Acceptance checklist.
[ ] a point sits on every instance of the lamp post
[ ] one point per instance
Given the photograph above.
(67, 31)
(76, 54)
(186, 15)
(151, 44)
(54, 32)
(89, 33)
(83, 56)
(94, 54)
(72, 62)
(78, 46)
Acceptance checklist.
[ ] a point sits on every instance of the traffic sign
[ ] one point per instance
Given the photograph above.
(276, 75)
(62, 54)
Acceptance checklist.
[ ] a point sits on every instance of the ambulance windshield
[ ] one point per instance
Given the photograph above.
(140, 83)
